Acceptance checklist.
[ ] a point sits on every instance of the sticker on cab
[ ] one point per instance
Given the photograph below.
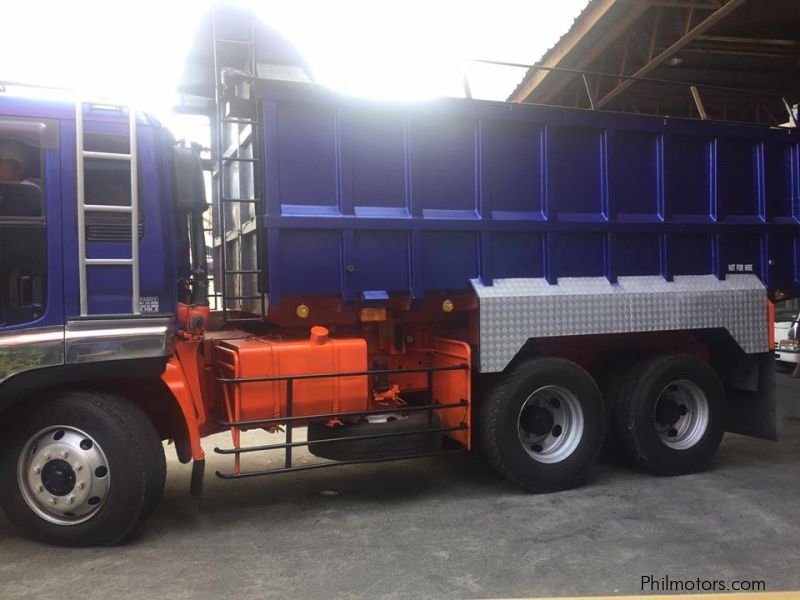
(148, 304)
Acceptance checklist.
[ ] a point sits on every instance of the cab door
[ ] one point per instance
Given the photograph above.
(31, 300)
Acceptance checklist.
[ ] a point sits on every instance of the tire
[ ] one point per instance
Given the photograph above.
(671, 414)
(610, 385)
(376, 448)
(118, 460)
(516, 411)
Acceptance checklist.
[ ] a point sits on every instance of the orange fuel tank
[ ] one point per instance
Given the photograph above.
(262, 357)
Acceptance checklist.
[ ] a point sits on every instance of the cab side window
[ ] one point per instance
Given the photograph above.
(23, 241)
(21, 190)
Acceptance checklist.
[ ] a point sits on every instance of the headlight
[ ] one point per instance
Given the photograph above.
(789, 346)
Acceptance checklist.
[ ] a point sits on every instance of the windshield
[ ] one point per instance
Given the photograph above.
(787, 310)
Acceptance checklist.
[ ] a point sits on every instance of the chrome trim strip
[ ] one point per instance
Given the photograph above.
(95, 340)
(30, 349)
(24, 339)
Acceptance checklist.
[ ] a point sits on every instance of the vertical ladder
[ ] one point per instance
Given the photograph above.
(229, 84)
(133, 210)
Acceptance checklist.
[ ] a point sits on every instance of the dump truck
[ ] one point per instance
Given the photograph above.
(392, 280)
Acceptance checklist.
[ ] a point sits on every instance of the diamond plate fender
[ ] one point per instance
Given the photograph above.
(512, 311)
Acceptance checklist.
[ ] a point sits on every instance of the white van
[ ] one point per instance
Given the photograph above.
(787, 344)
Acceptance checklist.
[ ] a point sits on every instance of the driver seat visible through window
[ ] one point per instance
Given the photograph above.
(23, 238)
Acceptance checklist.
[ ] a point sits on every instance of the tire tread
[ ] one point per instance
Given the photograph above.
(489, 425)
(146, 450)
(629, 403)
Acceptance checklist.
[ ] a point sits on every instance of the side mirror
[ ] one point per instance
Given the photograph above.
(189, 185)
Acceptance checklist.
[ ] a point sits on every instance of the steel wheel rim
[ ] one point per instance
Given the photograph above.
(550, 424)
(681, 414)
(63, 475)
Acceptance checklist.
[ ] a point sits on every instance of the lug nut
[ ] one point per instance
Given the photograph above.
(52, 501)
(64, 454)
(47, 456)
(70, 499)
(80, 485)
(77, 466)
(39, 488)
(37, 470)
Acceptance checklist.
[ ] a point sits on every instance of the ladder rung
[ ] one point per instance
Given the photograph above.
(230, 41)
(131, 158)
(243, 272)
(109, 261)
(241, 200)
(239, 121)
(242, 297)
(237, 159)
(108, 208)
(103, 104)
(108, 155)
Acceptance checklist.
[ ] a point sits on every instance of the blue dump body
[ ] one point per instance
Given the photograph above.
(422, 197)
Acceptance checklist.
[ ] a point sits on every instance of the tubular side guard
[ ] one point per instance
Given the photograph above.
(448, 395)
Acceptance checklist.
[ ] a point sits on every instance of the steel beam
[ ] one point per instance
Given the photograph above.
(676, 47)
(698, 101)
(697, 4)
(729, 39)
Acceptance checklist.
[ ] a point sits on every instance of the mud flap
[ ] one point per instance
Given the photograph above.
(196, 484)
(750, 386)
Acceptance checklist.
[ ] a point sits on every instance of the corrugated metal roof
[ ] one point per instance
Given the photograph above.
(581, 16)
(750, 44)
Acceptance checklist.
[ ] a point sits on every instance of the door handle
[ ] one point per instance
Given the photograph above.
(30, 291)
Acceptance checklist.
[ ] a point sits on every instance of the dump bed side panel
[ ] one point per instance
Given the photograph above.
(425, 196)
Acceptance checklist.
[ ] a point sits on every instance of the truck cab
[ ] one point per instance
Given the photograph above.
(76, 308)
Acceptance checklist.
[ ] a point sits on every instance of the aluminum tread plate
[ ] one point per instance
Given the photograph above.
(512, 311)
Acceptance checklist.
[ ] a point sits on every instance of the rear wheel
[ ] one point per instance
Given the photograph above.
(85, 469)
(671, 414)
(542, 427)
(613, 375)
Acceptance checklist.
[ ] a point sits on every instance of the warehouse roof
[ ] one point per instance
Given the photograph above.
(725, 47)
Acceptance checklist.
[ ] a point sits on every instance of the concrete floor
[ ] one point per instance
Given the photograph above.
(442, 528)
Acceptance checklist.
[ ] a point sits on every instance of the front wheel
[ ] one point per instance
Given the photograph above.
(83, 470)
(542, 427)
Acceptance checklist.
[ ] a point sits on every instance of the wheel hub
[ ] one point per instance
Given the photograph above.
(63, 475)
(58, 477)
(668, 411)
(550, 424)
(681, 414)
(537, 420)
